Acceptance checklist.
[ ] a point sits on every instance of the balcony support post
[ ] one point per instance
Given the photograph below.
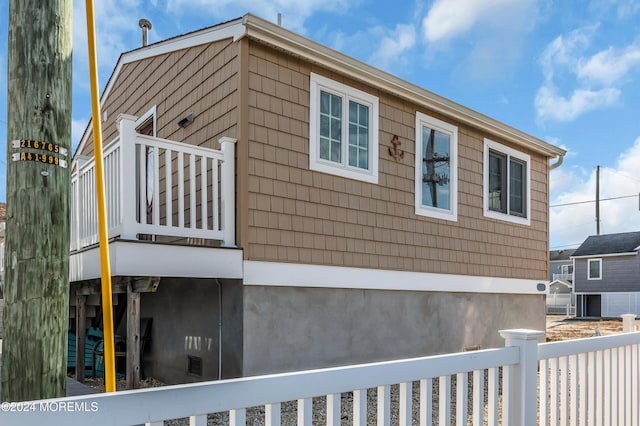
(227, 172)
(127, 128)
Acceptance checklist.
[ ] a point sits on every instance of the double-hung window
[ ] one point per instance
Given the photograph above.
(595, 269)
(507, 190)
(343, 130)
(436, 168)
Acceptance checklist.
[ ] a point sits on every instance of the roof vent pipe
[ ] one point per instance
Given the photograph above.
(279, 19)
(146, 26)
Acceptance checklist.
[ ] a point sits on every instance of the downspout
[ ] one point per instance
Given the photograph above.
(219, 330)
(560, 159)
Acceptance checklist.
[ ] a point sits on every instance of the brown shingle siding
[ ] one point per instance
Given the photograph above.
(351, 223)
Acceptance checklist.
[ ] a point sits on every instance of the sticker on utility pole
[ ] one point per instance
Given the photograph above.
(41, 145)
(40, 158)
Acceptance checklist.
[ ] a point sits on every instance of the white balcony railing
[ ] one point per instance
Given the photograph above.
(563, 277)
(156, 187)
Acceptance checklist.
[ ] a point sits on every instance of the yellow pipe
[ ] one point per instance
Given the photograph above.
(107, 302)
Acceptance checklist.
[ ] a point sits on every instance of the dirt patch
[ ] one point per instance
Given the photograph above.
(562, 328)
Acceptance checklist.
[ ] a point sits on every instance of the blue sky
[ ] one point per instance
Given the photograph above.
(566, 72)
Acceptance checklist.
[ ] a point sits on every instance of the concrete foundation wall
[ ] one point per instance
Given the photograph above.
(185, 322)
(288, 329)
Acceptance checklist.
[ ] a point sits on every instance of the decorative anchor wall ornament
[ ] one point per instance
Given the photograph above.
(396, 152)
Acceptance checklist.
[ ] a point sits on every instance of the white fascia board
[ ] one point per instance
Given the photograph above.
(593, 256)
(232, 29)
(302, 275)
(159, 260)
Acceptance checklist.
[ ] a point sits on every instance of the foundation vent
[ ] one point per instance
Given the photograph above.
(194, 365)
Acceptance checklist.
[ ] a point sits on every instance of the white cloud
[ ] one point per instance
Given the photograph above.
(78, 126)
(609, 66)
(116, 29)
(564, 180)
(492, 32)
(393, 45)
(627, 8)
(552, 106)
(451, 18)
(577, 81)
(563, 51)
(571, 224)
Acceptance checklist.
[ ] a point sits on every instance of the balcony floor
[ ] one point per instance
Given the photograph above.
(147, 258)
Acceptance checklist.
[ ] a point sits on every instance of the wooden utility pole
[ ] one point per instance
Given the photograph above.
(597, 200)
(34, 353)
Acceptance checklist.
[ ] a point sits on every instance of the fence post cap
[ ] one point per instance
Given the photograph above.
(521, 334)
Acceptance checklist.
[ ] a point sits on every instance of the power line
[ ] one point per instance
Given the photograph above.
(620, 173)
(593, 201)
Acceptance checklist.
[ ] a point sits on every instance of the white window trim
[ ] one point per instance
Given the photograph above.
(441, 126)
(491, 145)
(565, 269)
(151, 113)
(599, 278)
(318, 83)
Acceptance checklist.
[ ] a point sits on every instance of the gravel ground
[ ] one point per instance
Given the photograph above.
(288, 414)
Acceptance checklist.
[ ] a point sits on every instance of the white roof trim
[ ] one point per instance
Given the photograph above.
(591, 256)
(232, 29)
(281, 38)
(563, 282)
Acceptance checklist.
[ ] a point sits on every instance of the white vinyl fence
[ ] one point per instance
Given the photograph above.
(586, 381)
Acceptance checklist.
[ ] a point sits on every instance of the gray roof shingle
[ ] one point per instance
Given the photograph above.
(626, 242)
(561, 254)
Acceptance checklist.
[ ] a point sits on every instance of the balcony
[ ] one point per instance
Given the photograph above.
(170, 209)
(563, 277)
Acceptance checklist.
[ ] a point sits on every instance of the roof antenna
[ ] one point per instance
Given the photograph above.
(279, 19)
(146, 26)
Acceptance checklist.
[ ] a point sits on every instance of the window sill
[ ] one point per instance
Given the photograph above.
(507, 218)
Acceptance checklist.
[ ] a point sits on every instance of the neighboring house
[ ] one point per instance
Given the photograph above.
(561, 298)
(363, 218)
(561, 265)
(606, 275)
